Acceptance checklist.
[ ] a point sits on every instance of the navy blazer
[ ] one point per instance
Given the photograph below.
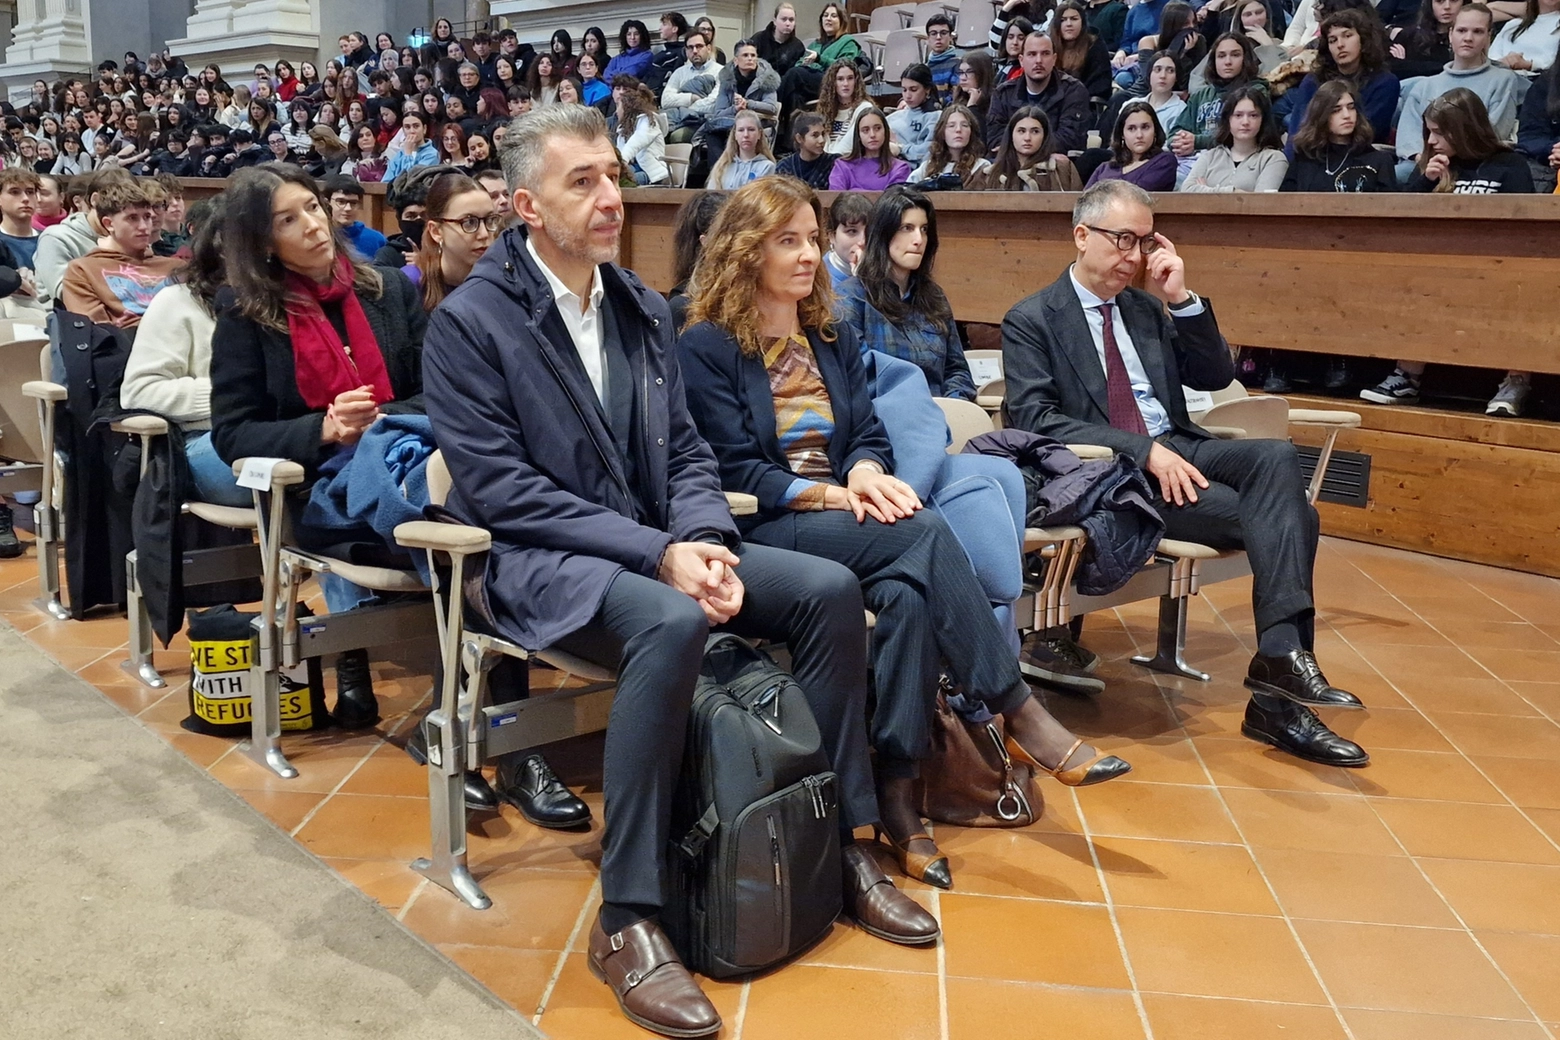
(1056, 384)
(728, 393)
(530, 453)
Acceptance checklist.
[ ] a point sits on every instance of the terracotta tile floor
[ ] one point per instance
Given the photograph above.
(1220, 892)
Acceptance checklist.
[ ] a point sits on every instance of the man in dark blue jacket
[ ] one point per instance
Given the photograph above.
(550, 375)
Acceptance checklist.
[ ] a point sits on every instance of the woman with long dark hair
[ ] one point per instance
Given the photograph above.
(1425, 48)
(313, 350)
(1248, 150)
(977, 77)
(894, 304)
(1027, 159)
(561, 47)
(542, 80)
(1137, 151)
(816, 456)
(1079, 52)
(462, 222)
(365, 157)
(870, 165)
(633, 56)
(1353, 47)
(1334, 146)
(1007, 46)
(692, 223)
(1232, 64)
(1529, 43)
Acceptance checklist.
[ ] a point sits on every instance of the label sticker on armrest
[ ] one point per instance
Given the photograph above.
(1197, 400)
(256, 474)
(985, 370)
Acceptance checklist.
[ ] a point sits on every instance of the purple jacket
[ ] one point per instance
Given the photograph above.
(1158, 174)
(863, 175)
(526, 444)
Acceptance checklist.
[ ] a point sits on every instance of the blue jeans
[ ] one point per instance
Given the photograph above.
(212, 479)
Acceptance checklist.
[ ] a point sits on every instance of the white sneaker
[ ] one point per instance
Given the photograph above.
(1397, 388)
(1511, 397)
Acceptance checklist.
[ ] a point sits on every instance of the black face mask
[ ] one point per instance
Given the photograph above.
(413, 230)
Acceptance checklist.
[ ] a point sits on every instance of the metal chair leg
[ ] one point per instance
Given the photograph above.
(445, 729)
(1172, 641)
(46, 523)
(265, 704)
(139, 663)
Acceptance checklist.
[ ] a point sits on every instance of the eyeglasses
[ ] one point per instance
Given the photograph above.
(470, 224)
(1126, 241)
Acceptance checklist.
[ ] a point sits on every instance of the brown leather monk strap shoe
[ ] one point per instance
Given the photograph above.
(880, 908)
(652, 987)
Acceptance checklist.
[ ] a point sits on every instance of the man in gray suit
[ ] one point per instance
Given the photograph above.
(1090, 360)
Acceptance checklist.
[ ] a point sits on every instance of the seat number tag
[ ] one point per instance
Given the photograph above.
(256, 474)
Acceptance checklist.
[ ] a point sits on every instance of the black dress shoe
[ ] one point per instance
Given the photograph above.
(480, 796)
(356, 705)
(1296, 729)
(534, 789)
(1297, 677)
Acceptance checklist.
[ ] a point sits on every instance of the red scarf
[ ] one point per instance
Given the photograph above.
(326, 368)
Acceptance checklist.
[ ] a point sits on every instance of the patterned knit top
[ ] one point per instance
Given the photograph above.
(804, 419)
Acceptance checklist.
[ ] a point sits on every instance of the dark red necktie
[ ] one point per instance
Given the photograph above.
(1124, 413)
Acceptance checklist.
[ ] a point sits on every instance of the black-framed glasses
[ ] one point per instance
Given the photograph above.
(470, 224)
(1126, 241)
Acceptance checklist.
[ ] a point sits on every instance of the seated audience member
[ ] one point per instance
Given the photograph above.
(824, 486)
(1232, 65)
(1353, 47)
(571, 91)
(1498, 87)
(345, 196)
(632, 577)
(451, 145)
(1028, 158)
(1425, 48)
(1248, 153)
(1462, 156)
(51, 202)
(330, 150)
(941, 58)
(1006, 41)
(1107, 19)
(640, 141)
(1178, 36)
(977, 76)
(808, 162)
(365, 162)
(173, 234)
(956, 150)
(669, 52)
(113, 283)
(462, 223)
(910, 125)
(1538, 130)
(748, 84)
(1333, 149)
(1528, 43)
(75, 236)
(778, 43)
(18, 203)
(73, 160)
(1164, 75)
(871, 165)
(894, 304)
(169, 368)
(841, 101)
(1062, 98)
(416, 150)
(1253, 20)
(543, 77)
(848, 216)
(283, 384)
(694, 218)
(1080, 53)
(1138, 153)
(691, 90)
(811, 77)
(1089, 360)
(746, 156)
(634, 56)
(276, 146)
(493, 183)
(594, 90)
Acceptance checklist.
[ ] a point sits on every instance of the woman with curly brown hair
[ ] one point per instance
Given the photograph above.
(778, 391)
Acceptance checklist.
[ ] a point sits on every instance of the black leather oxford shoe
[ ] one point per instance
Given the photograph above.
(480, 796)
(1297, 677)
(532, 787)
(1296, 729)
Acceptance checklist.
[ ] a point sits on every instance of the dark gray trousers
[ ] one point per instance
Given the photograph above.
(654, 636)
(930, 607)
(1255, 501)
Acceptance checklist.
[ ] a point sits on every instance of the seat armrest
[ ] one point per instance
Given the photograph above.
(1321, 417)
(1091, 451)
(286, 474)
(742, 503)
(1227, 433)
(456, 539)
(142, 426)
(44, 391)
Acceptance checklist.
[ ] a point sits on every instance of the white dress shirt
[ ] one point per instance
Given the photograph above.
(584, 325)
(1155, 418)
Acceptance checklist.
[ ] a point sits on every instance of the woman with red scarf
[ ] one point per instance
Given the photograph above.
(310, 349)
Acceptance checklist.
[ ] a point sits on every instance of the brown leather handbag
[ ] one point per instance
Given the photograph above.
(970, 779)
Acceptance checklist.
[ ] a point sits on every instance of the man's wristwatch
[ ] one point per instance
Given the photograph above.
(1192, 300)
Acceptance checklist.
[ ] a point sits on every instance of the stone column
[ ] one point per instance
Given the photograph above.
(50, 40)
(238, 33)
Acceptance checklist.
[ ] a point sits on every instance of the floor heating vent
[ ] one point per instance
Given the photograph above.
(1348, 476)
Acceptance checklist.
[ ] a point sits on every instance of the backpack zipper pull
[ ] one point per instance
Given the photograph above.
(774, 848)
